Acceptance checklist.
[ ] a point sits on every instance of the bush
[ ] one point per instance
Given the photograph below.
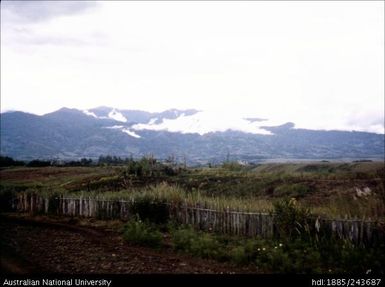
(238, 255)
(246, 251)
(292, 221)
(182, 238)
(292, 190)
(142, 233)
(280, 261)
(6, 198)
(149, 209)
(199, 244)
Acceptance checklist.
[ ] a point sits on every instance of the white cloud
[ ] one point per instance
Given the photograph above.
(205, 122)
(131, 133)
(115, 127)
(35, 11)
(115, 115)
(317, 64)
(88, 113)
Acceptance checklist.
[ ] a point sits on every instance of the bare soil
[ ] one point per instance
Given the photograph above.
(32, 245)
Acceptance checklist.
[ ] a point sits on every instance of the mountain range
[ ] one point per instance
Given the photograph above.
(197, 136)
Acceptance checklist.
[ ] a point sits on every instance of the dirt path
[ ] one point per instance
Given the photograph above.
(30, 246)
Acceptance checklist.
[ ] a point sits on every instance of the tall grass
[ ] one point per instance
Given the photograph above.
(326, 188)
(340, 206)
(364, 208)
(175, 195)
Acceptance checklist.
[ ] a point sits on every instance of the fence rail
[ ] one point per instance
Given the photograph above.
(362, 232)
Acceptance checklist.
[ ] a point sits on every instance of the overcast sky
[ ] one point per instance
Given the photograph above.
(317, 64)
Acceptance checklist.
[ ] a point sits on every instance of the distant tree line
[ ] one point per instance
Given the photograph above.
(39, 163)
(8, 161)
(113, 160)
(146, 166)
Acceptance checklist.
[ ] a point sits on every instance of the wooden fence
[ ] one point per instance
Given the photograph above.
(358, 231)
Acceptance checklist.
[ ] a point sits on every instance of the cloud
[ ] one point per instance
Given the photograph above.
(208, 121)
(319, 65)
(24, 37)
(205, 122)
(24, 24)
(37, 11)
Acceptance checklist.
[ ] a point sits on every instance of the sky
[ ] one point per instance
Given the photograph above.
(318, 64)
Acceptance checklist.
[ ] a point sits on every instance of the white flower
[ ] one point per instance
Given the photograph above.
(263, 248)
(280, 245)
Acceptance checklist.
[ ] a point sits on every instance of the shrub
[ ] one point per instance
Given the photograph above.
(142, 233)
(292, 221)
(238, 255)
(246, 251)
(182, 238)
(206, 246)
(280, 261)
(6, 198)
(199, 244)
(292, 190)
(270, 260)
(150, 209)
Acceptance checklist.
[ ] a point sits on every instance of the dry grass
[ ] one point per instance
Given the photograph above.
(328, 188)
(176, 195)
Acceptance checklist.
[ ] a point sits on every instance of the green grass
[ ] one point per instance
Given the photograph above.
(200, 244)
(142, 233)
(286, 255)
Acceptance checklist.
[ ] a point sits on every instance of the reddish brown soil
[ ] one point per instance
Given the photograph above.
(31, 246)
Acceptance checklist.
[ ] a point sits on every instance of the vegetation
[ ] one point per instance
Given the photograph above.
(8, 161)
(292, 221)
(38, 163)
(201, 244)
(293, 192)
(292, 253)
(139, 232)
(248, 188)
(149, 209)
(146, 163)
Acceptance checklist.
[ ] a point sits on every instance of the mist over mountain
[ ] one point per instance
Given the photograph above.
(198, 136)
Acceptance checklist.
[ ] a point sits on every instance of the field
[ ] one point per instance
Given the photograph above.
(292, 194)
